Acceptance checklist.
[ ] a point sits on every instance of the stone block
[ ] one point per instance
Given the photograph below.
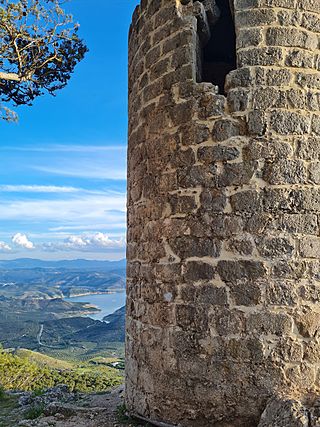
(256, 17)
(213, 200)
(182, 204)
(285, 172)
(289, 123)
(211, 105)
(246, 201)
(190, 317)
(292, 37)
(217, 153)
(231, 271)
(246, 292)
(308, 322)
(226, 129)
(242, 245)
(269, 149)
(281, 293)
(268, 323)
(227, 322)
(194, 271)
(190, 246)
(265, 56)
(249, 37)
(194, 133)
(275, 247)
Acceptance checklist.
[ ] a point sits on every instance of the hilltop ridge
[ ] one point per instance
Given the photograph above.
(83, 264)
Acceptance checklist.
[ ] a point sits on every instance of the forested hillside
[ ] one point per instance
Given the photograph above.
(29, 371)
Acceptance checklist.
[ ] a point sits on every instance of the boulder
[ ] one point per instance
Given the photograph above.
(284, 413)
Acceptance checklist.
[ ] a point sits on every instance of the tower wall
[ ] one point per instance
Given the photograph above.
(223, 215)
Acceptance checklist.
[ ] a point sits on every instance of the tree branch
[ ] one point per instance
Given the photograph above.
(13, 77)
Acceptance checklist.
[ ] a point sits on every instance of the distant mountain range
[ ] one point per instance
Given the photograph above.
(32, 278)
(77, 264)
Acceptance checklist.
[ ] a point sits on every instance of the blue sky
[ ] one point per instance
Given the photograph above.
(63, 166)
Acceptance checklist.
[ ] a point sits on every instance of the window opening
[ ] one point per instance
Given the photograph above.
(218, 53)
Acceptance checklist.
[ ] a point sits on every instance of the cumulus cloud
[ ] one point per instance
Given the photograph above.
(95, 242)
(22, 241)
(4, 247)
(75, 242)
(101, 240)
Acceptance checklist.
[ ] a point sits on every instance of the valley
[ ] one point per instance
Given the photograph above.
(38, 279)
(38, 314)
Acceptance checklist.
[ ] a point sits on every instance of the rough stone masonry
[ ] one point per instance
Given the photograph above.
(223, 309)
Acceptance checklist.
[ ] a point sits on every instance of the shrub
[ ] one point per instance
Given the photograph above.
(37, 392)
(34, 412)
(3, 394)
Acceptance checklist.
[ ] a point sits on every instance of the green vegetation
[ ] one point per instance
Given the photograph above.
(85, 351)
(39, 48)
(29, 371)
(108, 361)
(122, 416)
(34, 412)
(47, 340)
(3, 395)
(37, 393)
(43, 360)
(8, 411)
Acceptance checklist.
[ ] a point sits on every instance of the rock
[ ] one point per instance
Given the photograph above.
(35, 423)
(25, 399)
(58, 392)
(61, 410)
(284, 413)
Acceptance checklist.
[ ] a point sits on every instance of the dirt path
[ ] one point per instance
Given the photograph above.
(40, 334)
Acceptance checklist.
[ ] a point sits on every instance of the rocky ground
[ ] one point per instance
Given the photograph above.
(59, 408)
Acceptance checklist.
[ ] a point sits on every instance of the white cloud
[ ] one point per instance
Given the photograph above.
(37, 189)
(47, 189)
(96, 242)
(92, 172)
(86, 162)
(51, 209)
(59, 148)
(4, 247)
(108, 208)
(75, 242)
(22, 241)
(89, 227)
(101, 240)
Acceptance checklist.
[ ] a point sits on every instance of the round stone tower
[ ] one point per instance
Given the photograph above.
(223, 306)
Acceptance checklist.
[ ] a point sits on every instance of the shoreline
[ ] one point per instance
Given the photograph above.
(93, 293)
(101, 304)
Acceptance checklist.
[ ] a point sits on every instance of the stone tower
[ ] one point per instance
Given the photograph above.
(223, 309)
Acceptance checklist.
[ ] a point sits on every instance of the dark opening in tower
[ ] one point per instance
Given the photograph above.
(218, 54)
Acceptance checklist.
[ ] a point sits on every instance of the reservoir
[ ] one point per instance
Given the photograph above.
(107, 303)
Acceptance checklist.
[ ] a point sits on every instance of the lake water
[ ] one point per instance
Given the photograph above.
(108, 303)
